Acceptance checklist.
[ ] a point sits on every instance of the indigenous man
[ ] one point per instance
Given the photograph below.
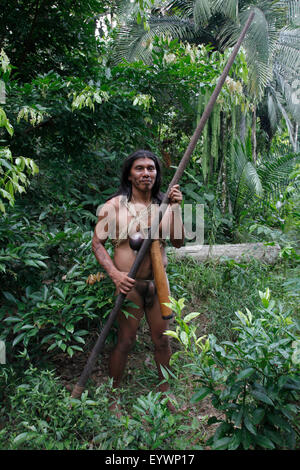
(125, 217)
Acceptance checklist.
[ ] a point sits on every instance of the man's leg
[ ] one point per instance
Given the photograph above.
(127, 328)
(162, 349)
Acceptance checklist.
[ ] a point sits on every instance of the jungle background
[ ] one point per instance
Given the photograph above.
(82, 85)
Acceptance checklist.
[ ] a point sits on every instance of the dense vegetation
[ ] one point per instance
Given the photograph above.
(74, 104)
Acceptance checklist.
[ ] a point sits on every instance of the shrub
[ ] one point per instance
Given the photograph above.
(253, 381)
(39, 413)
(58, 316)
(42, 415)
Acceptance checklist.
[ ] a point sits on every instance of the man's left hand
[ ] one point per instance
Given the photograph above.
(175, 195)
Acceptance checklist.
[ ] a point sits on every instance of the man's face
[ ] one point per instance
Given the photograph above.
(143, 174)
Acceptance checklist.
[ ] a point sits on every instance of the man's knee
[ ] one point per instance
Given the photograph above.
(160, 341)
(125, 344)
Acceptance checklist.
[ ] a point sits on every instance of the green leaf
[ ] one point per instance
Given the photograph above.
(12, 319)
(249, 425)
(246, 439)
(41, 263)
(279, 421)
(200, 394)
(245, 373)
(258, 415)
(222, 444)
(10, 297)
(264, 442)
(262, 397)
(18, 339)
(275, 437)
(237, 416)
(78, 339)
(59, 292)
(29, 262)
(70, 328)
(184, 338)
(235, 440)
(191, 316)
(24, 436)
(171, 333)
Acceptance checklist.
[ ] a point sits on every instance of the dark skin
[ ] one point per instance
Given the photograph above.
(142, 177)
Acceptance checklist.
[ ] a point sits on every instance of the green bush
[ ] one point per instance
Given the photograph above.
(56, 316)
(216, 287)
(47, 303)
(42, 415)
(39, 413)
(254, 382)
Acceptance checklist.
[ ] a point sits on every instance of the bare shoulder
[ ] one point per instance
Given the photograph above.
(109, 207)
(116, 201)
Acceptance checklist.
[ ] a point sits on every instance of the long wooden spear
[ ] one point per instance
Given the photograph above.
(79, 387)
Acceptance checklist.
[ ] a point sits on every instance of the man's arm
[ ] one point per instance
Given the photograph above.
(102, 230)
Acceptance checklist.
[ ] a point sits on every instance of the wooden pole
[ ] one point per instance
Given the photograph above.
(79, 387)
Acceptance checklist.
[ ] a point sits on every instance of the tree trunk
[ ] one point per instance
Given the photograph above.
(240, 252)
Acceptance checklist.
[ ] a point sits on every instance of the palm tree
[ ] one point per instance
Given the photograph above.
(272, 54)
(218, 23)
(214, 22)
(283, 92)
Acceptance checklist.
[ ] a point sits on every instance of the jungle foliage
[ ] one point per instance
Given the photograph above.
(72, 107)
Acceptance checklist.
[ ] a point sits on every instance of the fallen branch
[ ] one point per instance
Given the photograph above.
(240, 252)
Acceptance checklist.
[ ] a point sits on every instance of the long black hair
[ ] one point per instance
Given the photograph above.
(125, 185)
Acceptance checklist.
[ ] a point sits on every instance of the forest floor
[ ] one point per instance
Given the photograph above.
(140, 378)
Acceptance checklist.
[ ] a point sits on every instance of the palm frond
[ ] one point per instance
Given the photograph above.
(132, 41)
(272, 111)
(229, 9)
(277, 110)
(287, 70)
(245, 182)
(201, 12)
(274, 172)
(294, 11)
(260, 42)
(181, 8)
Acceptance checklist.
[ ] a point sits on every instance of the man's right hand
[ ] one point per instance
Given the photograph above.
(122, 282)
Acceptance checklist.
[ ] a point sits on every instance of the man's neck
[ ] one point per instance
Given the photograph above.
(141, 196)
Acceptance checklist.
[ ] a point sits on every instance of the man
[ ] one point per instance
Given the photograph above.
(125, 217)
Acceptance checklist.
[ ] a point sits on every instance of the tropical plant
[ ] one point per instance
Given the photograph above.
(39, 413)
(253, 381)
(275, 210)
(14, 171)
(210, 22)
(286, 76)
(42, 415)
(271, 51)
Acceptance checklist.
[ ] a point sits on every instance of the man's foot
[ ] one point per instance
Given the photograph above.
(170, 402)
(115, 408)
